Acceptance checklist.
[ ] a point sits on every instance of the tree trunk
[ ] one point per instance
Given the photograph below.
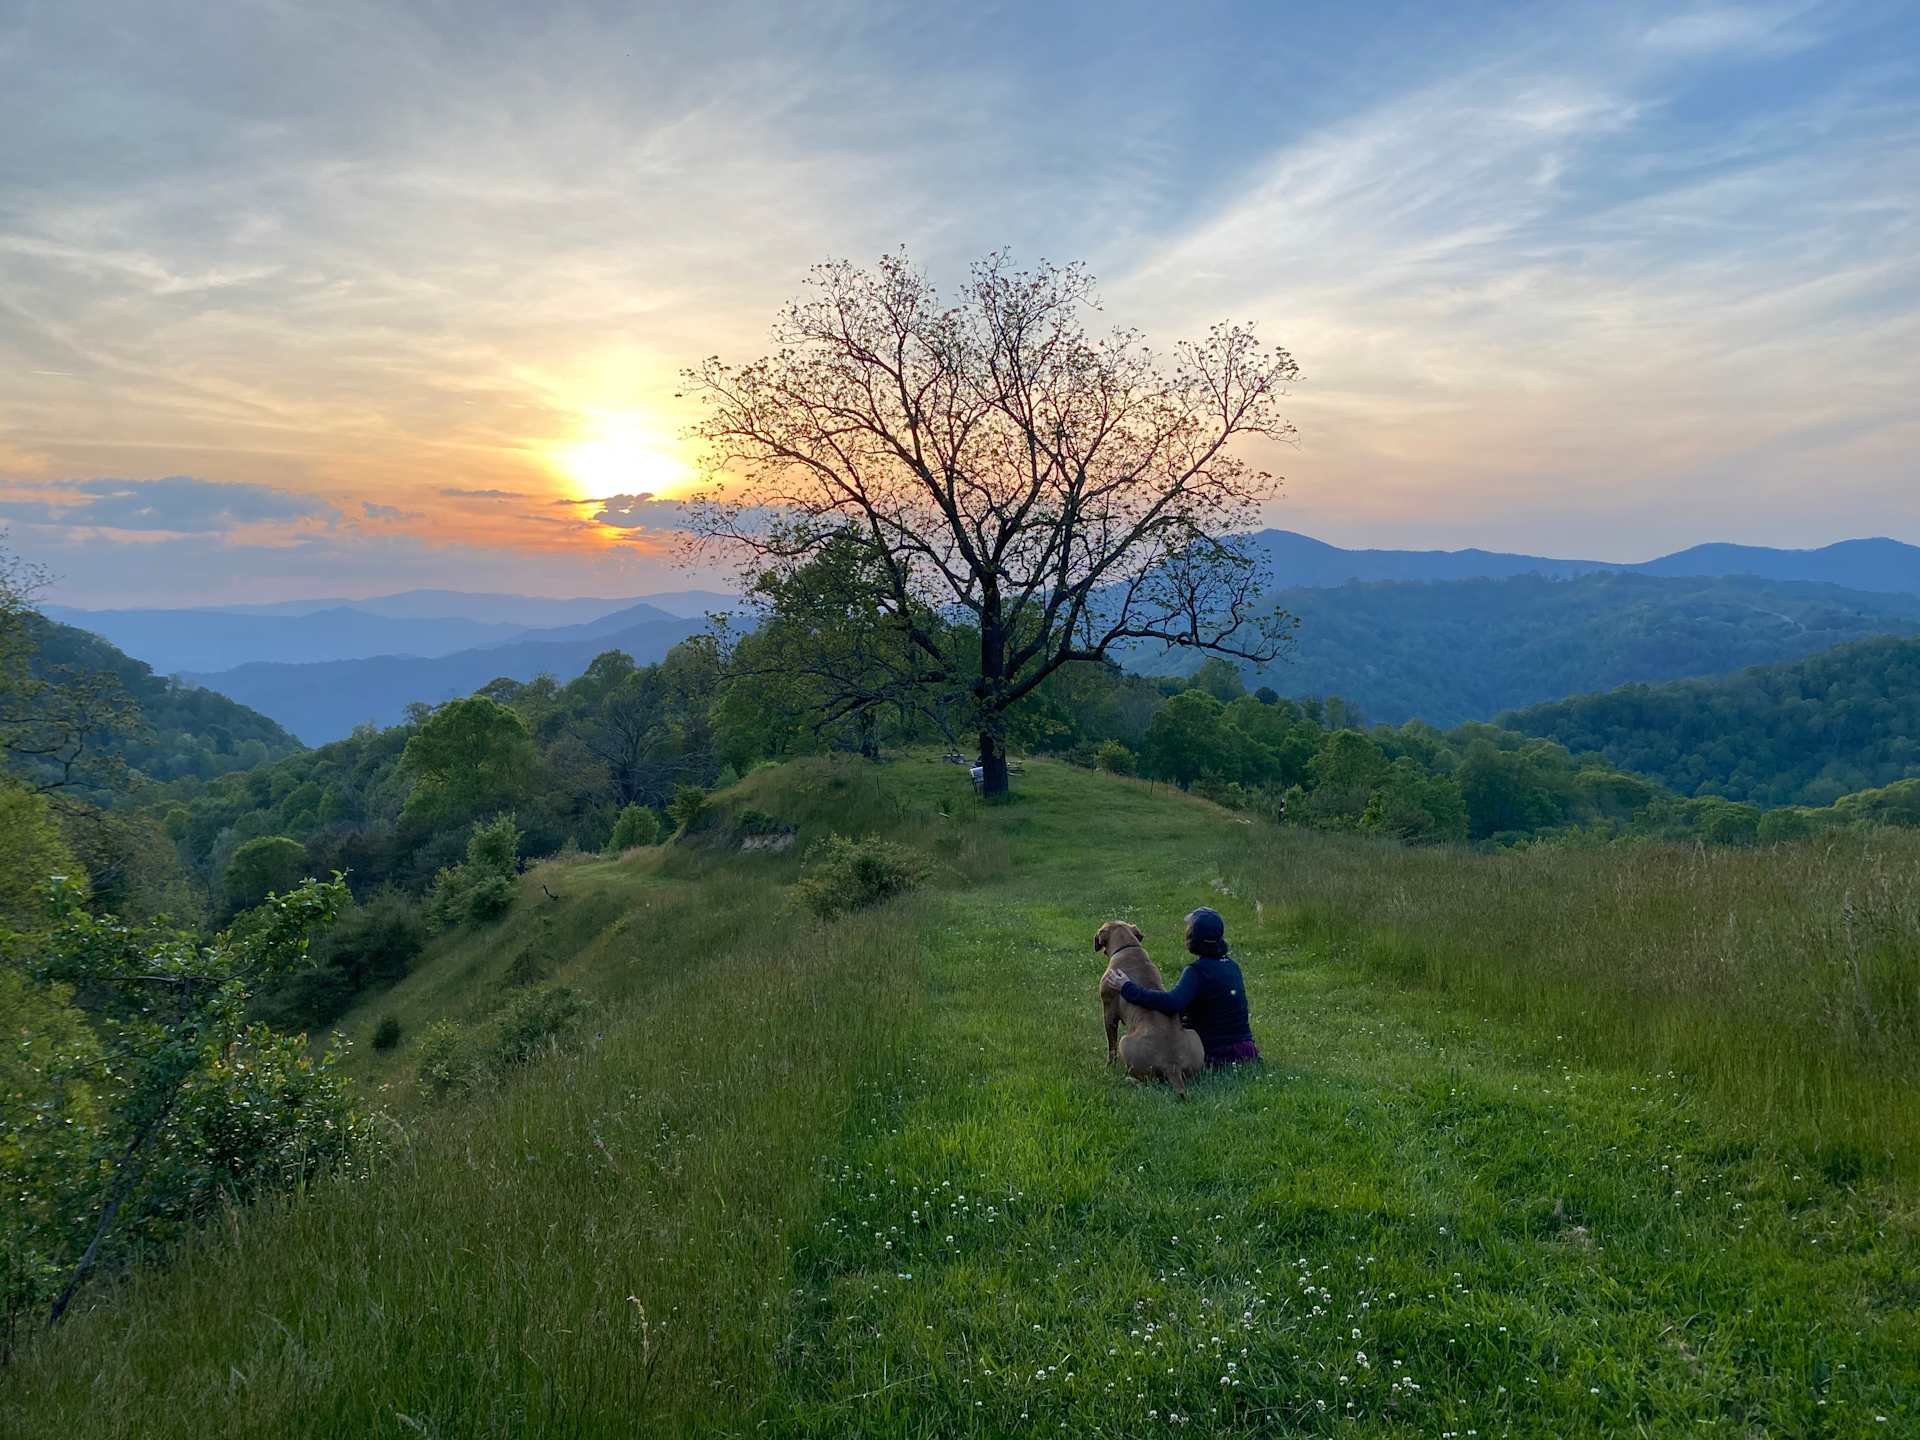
(993, 766)
(869, 728)
(993, 674)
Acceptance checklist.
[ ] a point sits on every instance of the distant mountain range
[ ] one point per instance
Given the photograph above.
(1457, 635)
(492, 607)
(1457, 650)
(424, 623)
(325, 700)
(1301, 562)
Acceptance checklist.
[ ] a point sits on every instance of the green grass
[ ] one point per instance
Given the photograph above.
(873, 1177)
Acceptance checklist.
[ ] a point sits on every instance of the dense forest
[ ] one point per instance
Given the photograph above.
(1452, 651)
(1805, 733)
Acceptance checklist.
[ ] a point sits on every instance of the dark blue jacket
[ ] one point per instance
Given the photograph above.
(1210, 995)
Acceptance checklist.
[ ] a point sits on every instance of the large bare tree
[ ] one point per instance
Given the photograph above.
(1060, 493)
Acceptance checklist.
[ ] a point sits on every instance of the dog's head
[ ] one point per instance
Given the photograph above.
(1117, 935)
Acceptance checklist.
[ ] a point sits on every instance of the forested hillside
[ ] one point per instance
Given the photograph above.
(176, 731)
(1799, 734)
(1462, 650)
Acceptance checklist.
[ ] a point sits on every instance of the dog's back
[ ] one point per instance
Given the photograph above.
(1156, 1043)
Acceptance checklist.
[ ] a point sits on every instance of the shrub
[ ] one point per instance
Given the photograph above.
(124, 1121)
(688, 804)
(489, 899)
(535, 1021)
(386, 1034)
(843, 874)
(637, 825)
(481, 888)
(1114, 758)
(494, 845)
(758, 822)
(377, 941)
(449, 1060)
(455, 1059)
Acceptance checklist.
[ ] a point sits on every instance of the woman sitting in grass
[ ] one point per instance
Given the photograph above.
(1210, 996)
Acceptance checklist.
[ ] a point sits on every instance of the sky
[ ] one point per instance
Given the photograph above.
(302, 300)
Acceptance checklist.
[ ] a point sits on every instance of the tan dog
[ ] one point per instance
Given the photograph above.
(1156, 1045)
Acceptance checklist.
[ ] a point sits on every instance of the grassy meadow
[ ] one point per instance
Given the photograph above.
(1564, 1142)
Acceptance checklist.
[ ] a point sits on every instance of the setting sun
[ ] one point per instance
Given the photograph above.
(622, 453)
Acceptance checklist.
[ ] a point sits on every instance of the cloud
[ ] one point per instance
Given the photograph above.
(641, 512)
(1551, 271)
(1757, 29)
(1558, 296)
(177, 504)
(211, 570)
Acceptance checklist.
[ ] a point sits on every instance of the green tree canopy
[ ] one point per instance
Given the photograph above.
(469, 756)
(271, 865)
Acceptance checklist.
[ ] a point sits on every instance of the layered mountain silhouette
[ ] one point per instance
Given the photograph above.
(1439, 635)
(1300, 561)
(325, 700)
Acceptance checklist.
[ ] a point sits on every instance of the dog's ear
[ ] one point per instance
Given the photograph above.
(1100, 937)
(1139, 935)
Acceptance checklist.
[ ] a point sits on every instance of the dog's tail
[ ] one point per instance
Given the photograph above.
(1177, 1078)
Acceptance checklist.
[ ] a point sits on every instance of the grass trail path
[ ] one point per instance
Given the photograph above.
(1406, 1222)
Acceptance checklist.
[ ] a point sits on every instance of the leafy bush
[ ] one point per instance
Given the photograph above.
(842, 874)
(1114, 758)
(449, 1060)
(688, 804)
(456, 1058)
(119, 1151)
(373, 943)
(386, 1034)
(637, 825)
(489, 899)
(758, 822)
(481, 888)
(535, 1021)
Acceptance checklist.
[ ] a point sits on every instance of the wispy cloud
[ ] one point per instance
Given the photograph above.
(178, 504)
(1534, 297)
(1604, 277)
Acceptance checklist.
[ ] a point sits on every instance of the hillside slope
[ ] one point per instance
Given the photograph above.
(323, 702)
(1798, 734)
(871, 1176)
(1454, 651)
(184, 731)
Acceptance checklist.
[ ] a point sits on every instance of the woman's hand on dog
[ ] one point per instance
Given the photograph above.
(1111, 982)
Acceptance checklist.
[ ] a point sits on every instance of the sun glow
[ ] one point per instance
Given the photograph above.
(623, 453)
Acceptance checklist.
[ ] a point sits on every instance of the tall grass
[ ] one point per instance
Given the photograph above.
(1787, 978)
(873, 1177)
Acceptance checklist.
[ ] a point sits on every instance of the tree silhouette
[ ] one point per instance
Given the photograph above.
(1055, 493)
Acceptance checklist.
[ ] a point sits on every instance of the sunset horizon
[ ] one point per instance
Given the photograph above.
(358, 302)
